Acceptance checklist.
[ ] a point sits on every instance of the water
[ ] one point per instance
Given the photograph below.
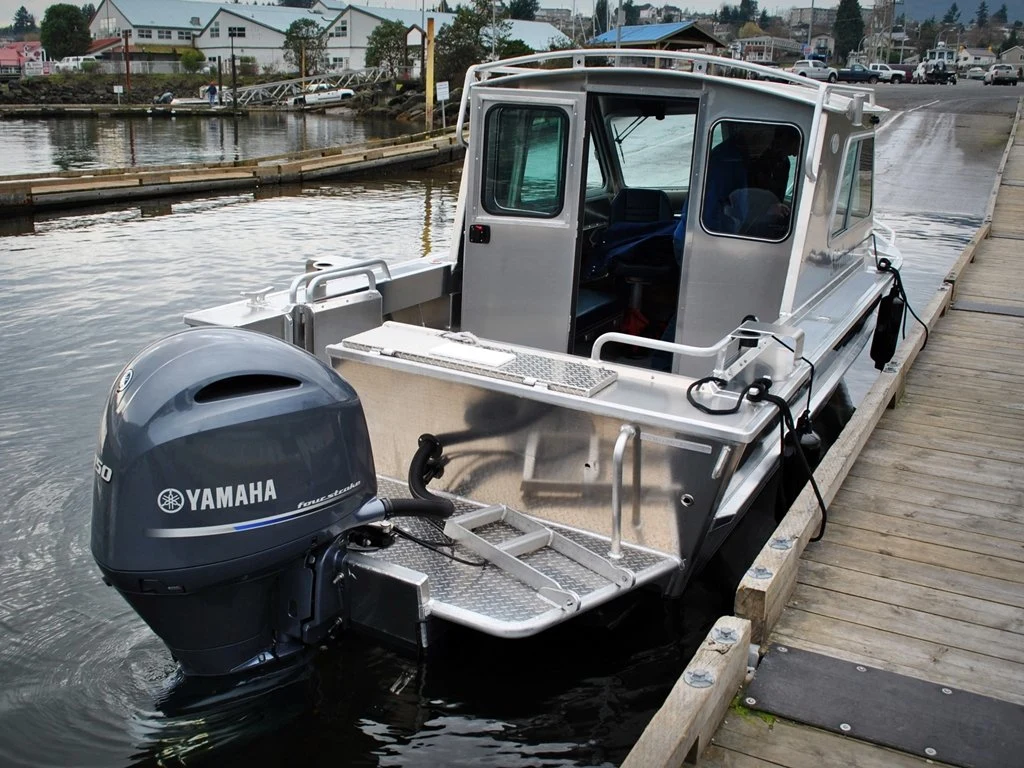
(60, 144)
(85, 683)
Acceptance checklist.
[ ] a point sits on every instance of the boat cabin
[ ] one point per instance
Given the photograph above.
(670, 205)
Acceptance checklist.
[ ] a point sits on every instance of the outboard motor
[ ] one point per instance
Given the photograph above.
(230, 465)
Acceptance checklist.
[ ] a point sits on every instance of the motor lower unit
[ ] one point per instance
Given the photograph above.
(230, 466)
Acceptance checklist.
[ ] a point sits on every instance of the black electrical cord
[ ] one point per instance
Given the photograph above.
(885, 265)
(438, 547)
(705, 409)
(758, 392)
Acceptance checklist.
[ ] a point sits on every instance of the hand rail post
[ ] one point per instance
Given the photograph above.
(627, 433)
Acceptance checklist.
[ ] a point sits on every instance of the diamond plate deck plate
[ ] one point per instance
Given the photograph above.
(915, 716)
(568, 377)
(493, 594)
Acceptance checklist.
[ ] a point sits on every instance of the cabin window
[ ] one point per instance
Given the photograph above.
(750, 179)
(853, 203)
(524, 161)
(654, 150)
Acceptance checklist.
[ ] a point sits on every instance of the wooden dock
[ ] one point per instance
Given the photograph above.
(919, 578)
(24, 194)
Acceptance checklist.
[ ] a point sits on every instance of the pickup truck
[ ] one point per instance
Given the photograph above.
(858, 73)
(816, 70)
(321, 94)
(888, 74)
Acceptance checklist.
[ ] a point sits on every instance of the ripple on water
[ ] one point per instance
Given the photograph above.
(86, 683)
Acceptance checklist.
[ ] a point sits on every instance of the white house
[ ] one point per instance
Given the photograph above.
(1014, 55)
(160, 22)
(255, 33)
(349, 33)
(974, 57)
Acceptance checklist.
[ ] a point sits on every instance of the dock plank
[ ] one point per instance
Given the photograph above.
(897, 569)
(901, 593)
(947, 466)
(848, 512)
(792, 745)
(909, 622)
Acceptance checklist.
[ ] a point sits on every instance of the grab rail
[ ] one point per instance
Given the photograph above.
(322, 279)
(627, 433)
(656, 344)
(293, 290)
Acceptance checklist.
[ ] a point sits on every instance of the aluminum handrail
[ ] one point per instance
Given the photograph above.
(293, 289)
(322, 279)
(519, 65)
(656, 344)
(626, 433)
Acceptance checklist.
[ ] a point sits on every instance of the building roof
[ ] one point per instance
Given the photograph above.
(276, 17)
(653, 34)
(538, 35)
(170, 14)
(977, 51)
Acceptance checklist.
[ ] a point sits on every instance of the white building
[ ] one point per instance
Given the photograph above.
(349, 33)
(974, 57)
(173, 23)
(256, 33)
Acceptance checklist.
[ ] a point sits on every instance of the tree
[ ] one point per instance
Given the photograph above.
(512, 48)
(304, 41)
(747, 10)
(386, 48)
(926, 35)
(952, 15)
(458, 45)
(23, 21)
(192, 60)
(88, 11)
(1000, 16)
(764, 19)
(600, 17)
(630, 13)
(749, 29)
(64, 31)
(982, 14)
(848, 28)
(523, 9)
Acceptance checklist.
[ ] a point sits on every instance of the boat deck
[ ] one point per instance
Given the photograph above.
(917, 588)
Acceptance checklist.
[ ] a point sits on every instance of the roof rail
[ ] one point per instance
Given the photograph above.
(704, 65)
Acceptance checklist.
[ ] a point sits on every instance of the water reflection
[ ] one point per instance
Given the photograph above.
(34, 146)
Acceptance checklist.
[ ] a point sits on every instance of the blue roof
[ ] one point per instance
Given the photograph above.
(644, 33)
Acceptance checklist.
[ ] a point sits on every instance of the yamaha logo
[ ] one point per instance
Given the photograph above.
(170, 500)
(125, 380)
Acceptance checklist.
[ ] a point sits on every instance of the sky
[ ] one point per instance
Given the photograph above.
(38, 7)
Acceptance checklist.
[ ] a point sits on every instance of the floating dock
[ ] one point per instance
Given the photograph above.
(46, 111)
(28, 193)
(898, 639)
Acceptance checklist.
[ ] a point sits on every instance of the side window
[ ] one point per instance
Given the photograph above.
(750, 179)
(853, 203)
(524, 161)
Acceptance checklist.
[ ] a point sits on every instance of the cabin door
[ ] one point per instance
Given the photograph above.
(522, 216)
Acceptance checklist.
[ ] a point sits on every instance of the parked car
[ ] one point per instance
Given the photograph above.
(814, 69)
(74, 63)
(1001, 74)
(858, 73)
(888, 74)
(976, 73)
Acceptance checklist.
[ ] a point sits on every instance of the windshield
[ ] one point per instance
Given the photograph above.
(654, 142)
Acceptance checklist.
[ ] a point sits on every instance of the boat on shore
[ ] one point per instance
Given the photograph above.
(660, 277)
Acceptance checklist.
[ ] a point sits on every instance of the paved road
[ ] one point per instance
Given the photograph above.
(940, 146)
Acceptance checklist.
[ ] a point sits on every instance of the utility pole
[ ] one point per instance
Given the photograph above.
(618, 27)
(810, 28)
(234, 80)
(127, 62)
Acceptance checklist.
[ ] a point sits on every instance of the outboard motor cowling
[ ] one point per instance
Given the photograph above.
(229, 465)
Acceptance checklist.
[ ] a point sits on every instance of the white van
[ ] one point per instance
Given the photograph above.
(73, 63)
